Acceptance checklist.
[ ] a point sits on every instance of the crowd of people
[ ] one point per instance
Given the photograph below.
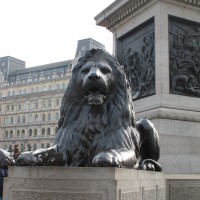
(5, 163)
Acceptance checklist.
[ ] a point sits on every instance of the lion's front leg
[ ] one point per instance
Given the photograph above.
(41, 157)
(115, 158)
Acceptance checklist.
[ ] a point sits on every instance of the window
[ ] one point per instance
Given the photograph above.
(36, 104)
(8, 107)
(30, 118)
(49, 117)
(24, 91)
(7, 120)
(42, 146)
(48, 145)
(57, 102)
(35, 147)
(36, 118)
(11, 133)
(11, 120)
(58, 86)
(48, 131)
(10, 148)
(6, 135)
(44, 103)
(18, 133)
(37, 89)
(13, 106)
(43, 131)
(63, 85)
(29, 147)
(49, 102)
(19, 106)
(8, 93)
(43, 117)
(32, 90)
(56, 130)
(20, 91)
(22, 147)
(35, 132)
(30, 132)
(13, 93)
(24, 119)
(18, 119)
(57, 116)
(23, 133)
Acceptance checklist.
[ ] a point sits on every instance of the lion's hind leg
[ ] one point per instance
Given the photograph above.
(149, 146)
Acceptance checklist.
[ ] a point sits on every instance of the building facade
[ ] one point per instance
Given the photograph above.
(30, 99)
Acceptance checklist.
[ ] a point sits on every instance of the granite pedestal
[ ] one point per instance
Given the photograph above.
(61, 183)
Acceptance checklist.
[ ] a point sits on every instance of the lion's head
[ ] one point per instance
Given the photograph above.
(95, 78)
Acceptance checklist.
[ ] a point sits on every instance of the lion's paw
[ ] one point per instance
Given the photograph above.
(106, 159)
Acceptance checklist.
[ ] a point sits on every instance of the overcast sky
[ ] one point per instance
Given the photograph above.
(45, 31)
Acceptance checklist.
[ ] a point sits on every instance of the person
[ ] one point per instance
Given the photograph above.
(16, 152)
(3, 173)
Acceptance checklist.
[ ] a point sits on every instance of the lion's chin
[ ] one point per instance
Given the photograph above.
(95, 99)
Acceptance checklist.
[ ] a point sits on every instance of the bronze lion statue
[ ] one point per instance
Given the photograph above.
(97, 124)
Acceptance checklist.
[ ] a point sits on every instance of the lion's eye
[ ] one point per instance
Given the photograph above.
(85, 71)
(105, 70)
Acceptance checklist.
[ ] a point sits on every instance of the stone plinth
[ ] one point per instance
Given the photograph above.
(183, 187)
(61, 183)
(157, 42)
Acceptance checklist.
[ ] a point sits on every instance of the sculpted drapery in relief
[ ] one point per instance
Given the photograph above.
(137, 55)
(184, 57)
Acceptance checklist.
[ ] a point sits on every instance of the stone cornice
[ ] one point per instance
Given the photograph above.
(121, 9)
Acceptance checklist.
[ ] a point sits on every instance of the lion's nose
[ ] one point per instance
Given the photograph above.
(93, 76)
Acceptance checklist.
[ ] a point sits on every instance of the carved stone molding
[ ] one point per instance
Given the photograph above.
(112, 15)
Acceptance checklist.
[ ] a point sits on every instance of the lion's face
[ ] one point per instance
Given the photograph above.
(96, 81)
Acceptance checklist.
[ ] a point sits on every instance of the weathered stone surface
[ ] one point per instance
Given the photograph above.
(183, 187)
(50, 183)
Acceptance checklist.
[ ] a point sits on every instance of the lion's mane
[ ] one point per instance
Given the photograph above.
(85, 129)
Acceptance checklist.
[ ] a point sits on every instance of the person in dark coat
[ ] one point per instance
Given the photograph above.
(3, 173)
(5, 160)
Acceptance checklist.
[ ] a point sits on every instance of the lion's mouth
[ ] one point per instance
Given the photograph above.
(95, 95)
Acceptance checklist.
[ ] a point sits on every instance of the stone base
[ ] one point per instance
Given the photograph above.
(61, 183)
(183, 187)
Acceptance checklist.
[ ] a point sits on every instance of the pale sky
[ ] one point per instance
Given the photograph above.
(46, 31)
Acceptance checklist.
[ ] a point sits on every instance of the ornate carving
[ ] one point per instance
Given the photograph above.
(138, 59)
(134, 6)
(184, 40)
